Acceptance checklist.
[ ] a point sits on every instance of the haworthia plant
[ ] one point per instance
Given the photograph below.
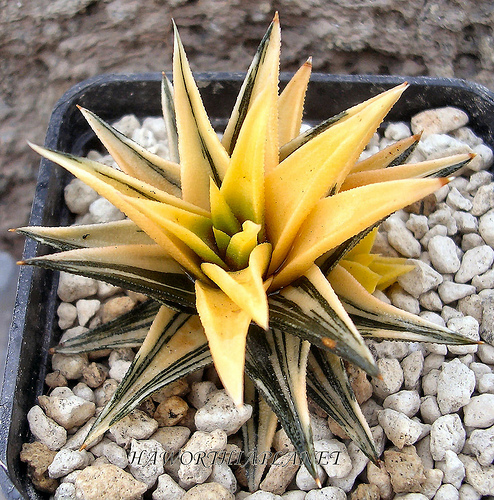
(252, 248)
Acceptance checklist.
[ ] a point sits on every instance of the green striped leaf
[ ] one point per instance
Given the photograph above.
(134, 159)
(329, 387)
(175, 346)
(259, 72)
(276, 362)
(122, 232)
(377, 320)
(168, 108)
(128, 330)
(310, 309)
(145, 269)
(257, 434)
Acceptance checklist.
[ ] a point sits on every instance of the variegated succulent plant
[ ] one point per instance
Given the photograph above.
(254, 251)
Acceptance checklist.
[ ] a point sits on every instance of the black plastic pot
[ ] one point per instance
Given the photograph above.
(34, 328)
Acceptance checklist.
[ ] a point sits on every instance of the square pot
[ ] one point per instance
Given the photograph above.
(34, 328)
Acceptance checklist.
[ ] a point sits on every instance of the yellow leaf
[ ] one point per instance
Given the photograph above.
(387, 155)
(221, 213)
(367, 278)
(243, 185)
(246, 287)
(316, 169)
(241, 245)
(291, 104)
(338, 218)
(226, 326)
(201, 154)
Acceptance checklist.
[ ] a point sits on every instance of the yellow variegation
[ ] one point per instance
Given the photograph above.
(238, 234)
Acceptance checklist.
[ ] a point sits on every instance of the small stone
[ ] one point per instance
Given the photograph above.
(171, 438)
(104, 393)
(72, 287)
(55, 379)
(392, 377)
(435, 146)
(178, 388)
(108, 482)
(405, 469)
(438, 121)
(361, 386)
(479, 412)
(208, 491)
(483, 281)
(450, 292)
(105, 290)
(433, 478)
(66, 491)
(429, 409)
(66, 408)
(200, 393)
(115, 307)
(66, 461)
(421, 279)
(483, 160)
(168, 489)
(119, 369)
(466, 222)
(327, 493)
(474, 262)
(110, 450)
(467, 327)
(69, 365)
(45, 429)
(280, 473)
(418, 225)
(332, 455)
(403, 241)
(443, 254)
(455, 385)
(397, 131)
(447, 433)
(380, 477)
(358, 463)
(38, 458)
(305, 481)
(67, 314)
(400, 429)
(171, 411)
(136, 425)
(78, 196)
(486, 383)
(94, 374)
(447, 492)
(220, 412)
(483, 200)
(486, 353)
(406, 402)
(453, 469)
(486, 227)
(403, 300)
(471, 306)
(433, 362)
(430, 300)
(145, 461)
(86, 309)
(412, 367)
(468, 492)
(222, 474)
(457, 201)
(194, 471)
(478, 476)
(104, 211)
(123, 354)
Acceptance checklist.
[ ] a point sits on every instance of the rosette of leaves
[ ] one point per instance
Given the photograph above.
(254, 251)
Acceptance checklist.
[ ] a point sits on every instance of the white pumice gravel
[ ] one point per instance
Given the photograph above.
(438, 399)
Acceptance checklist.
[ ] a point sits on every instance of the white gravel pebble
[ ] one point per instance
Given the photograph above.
(110, 450)
(168, 489)
(455, 385)
(86, 309)
(429, 409)
(406, 402)
(486, 227)
(45, 429)
(468, 327)
(78, 196)
(453, 469)
(220, 412)
(421, 279)
(332, 455)
(474, 262)
(481, 443)
(403, 240)
(392, 377)
(479, 412)
(397, 131)
(401, 430)
(447, 492)
(72, 287)
(447, 433)
(478, 476)
(136, 425)
(146, 461)
(305, 481)
(66, 491)
(66, 461)
(67, 314)
(327, 493)
(412, 367)
(119, 369)
(443, 254)
(438, 120)
(358, 461)
(102, 210)
(450, 292)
